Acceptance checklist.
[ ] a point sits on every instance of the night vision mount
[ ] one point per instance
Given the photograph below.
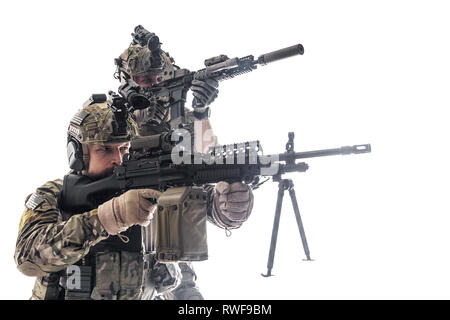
(150, 40)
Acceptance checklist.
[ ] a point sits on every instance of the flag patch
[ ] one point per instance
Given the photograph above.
(34, 201)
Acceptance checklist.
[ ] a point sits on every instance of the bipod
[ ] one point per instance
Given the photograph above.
(283, 185)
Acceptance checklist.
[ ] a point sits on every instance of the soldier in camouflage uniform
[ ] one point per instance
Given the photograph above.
(99, 254)
(136, 70)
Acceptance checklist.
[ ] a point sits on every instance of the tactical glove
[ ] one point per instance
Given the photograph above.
(205, 92)
(132, 207)
(232, 204)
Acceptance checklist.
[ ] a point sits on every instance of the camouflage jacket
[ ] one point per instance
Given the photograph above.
(46, 244)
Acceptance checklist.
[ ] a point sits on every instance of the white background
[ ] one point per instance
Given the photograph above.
(373, 72)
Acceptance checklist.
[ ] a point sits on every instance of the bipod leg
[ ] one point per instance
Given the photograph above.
(276, 224)
(299, 219)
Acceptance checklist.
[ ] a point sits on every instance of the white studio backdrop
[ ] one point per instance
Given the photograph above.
(373, 72)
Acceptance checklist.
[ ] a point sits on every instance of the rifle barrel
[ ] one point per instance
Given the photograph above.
(360, 148)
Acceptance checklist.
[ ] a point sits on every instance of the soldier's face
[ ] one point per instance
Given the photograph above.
(104, 157)
(147, 80)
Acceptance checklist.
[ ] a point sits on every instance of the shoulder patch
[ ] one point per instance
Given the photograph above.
(34, 201)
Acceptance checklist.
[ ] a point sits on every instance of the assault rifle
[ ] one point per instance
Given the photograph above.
(176, 84)
(219, 68)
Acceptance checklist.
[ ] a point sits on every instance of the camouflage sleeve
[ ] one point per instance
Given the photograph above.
(45, 242)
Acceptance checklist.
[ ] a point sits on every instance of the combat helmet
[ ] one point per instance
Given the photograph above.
(95, 123)
(138, 63)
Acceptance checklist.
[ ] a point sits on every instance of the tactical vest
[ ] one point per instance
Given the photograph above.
(113, 269)
(116, 269)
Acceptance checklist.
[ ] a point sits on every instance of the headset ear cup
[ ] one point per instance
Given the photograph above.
(75, 155)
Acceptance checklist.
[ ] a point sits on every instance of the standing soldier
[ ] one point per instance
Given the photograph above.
(232, 203)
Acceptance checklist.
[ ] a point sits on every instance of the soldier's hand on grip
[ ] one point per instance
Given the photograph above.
(233, 203)
(131, 208)
(204, 91)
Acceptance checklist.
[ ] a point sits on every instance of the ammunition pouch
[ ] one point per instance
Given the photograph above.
(111, 275)
(181, 225)
(107, 267)
(118, 275)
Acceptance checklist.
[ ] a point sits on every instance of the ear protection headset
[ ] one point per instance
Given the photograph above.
(74, 147)
(75, 154)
